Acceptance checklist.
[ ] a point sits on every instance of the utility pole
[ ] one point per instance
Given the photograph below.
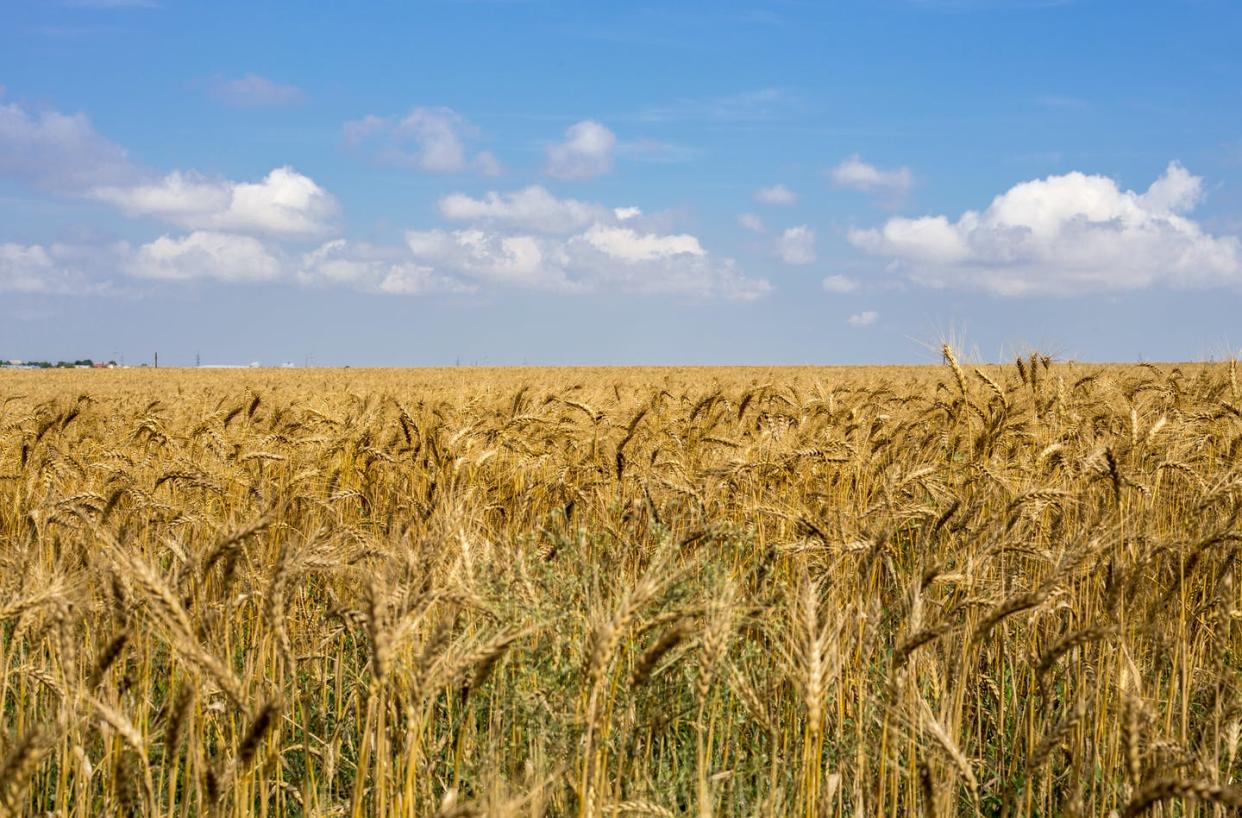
(157, 360)
(197, 361)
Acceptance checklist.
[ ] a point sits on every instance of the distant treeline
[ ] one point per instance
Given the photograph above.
(57, 365)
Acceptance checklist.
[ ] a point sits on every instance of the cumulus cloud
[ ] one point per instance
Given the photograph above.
(796, 245)
(29, 269)
(840, 284)
(856, 174)
(58, 152)
(234, 258)
(434, 140)
(630, 245)
(605, 257)
(535, 209)
(58, 269)
(530, 238)
(776, 195)
(205, 254)
(24, 269)
(438, 135)
(64, 154)
(489, 256)
(863, 319)
(254, 91)
(243, 231)
(587, 152)
(285, 203)
(1065, 235)
(531, 208)
(370, 268)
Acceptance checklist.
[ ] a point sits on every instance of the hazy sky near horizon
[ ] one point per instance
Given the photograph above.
(545, 182)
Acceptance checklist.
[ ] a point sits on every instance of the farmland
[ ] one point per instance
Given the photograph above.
(943, 590)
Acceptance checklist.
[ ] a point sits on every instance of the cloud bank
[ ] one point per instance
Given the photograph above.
(1065, 235)
(531, 239)
(531, 208)
(285, 227)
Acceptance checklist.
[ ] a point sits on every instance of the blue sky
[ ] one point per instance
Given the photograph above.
(554, 183)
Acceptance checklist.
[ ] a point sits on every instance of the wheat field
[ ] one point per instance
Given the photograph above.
(938, 591)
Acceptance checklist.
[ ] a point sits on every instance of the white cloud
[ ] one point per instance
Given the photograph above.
(64, 154)
(373, 269)
(529, 238)
(205, 254)
(285, 203)
(223, 257)
(775, 195)
(520, 260)
(535, 209)
(840, 284)
(1177, 191)
(414, 279)
(585, 153)
(856, 174)
(1065, 235)
(603, 258)
(863, 319)
(796, 245)
(438, 134)
(254, 91)
(24, 269)
(57, 269)
(751, 222)
(428, 139)
(531, 208)
(58, 152)
(29, 269)
(241, 231)
(235, 258)
(629, 245)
